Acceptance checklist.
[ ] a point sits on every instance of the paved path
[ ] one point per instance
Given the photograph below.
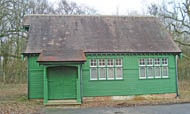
(159, 109)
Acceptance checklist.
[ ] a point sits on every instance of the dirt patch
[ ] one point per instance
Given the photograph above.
(19, 108)
(184, 90)
(13, 99)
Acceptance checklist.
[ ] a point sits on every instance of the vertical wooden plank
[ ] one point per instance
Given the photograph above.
(45, 86)
(176, 73)
(35, 78)
(28, 77)
(78, 85)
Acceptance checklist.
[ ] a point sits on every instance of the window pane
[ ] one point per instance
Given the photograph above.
(142, 61)
(101, 62)
(118, 62)
(164, 61)
(142, 72)
(157, 61)
(110, 62)
(165, 71)
(93, 73)
(110, 73)
(119, 73)
(102, 73)
(157, 72)
(149, 61)
(93, 62)
(150, 72)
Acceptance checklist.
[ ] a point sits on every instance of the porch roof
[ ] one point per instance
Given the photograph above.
(64, 55)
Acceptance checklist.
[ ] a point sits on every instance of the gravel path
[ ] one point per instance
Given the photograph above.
(159, 109)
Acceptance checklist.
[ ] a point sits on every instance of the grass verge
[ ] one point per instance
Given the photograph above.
(13, 99)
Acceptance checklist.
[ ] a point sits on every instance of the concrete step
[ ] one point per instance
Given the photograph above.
(63, 102)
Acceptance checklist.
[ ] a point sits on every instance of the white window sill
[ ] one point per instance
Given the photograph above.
(102, 78)
(165, 77)
(158, 77)
(150, 77)
(142, 77)
(110, 78)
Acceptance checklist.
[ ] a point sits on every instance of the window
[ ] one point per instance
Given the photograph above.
(93, 63)
(102, 69)
(110, 62)
(142, 71)
(142, 68)
(110, 73)
(106, 69)
(157, 69)
(165, 67)
(118, 62)
(153, 68)
(102, 73)
(93, 69)
(110, 69)
(150, 70)
(119, 69)
(93, 73)
(101, 62)
(142, 62)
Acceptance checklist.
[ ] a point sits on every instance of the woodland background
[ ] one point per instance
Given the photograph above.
(174, 15)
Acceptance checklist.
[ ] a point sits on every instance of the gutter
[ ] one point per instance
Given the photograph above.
(177, 93)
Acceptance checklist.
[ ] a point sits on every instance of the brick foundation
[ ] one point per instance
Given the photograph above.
(131, 97)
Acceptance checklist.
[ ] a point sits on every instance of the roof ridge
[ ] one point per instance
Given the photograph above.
(83, 15)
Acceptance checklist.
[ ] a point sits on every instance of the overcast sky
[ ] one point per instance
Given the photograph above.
(111, 7)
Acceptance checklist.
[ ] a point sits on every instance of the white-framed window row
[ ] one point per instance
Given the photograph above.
(106, 69)
(150, 68)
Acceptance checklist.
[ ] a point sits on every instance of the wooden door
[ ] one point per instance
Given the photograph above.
(62, 82)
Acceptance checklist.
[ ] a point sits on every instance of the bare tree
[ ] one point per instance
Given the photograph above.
(13, 38)
(176, 20)
(67, 7)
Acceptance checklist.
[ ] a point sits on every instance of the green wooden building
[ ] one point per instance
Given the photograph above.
(75, 57)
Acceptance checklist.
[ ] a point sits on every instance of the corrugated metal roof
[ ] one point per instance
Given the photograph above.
(97, 34)
(64, 55)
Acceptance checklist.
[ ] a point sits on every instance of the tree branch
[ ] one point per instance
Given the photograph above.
(182, 43)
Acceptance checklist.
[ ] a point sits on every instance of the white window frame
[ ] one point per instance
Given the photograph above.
(100, 78)
(121, 62)
(140, 72)
(94, 67)
(101, 66)
(96, 62)
(157, 65)
(165, 65)
(150, 65)
(96, 74)
(119, 66)
(120, 78)
(166, 60)
(142, 65)
(140, 61)
(110, 66)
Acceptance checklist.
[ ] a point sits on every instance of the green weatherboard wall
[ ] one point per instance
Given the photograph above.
(130, 85)
(35, 78)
